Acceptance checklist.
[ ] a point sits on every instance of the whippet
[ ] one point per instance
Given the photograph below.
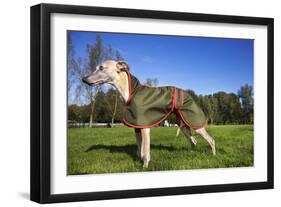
(140, 101)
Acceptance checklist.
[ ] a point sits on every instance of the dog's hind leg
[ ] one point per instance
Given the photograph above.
(208, 138)
(186, 131)
(145, 147)
(139, 142)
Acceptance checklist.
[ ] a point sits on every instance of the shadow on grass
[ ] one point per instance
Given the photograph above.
(130, 149)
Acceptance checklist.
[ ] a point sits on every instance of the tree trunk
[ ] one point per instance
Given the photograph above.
(115, 109)
(91, 114)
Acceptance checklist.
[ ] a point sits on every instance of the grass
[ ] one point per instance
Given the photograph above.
(105, 150)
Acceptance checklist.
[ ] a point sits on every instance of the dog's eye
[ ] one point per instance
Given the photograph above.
(101, 67)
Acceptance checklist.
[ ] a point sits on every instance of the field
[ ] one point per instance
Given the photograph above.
(113, 150)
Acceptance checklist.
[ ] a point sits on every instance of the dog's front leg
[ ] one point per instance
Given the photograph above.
(139, 142)
(145, 147)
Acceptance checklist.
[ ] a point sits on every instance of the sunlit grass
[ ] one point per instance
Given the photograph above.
(113, 150)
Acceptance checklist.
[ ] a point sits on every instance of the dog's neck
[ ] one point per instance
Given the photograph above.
(122, 85)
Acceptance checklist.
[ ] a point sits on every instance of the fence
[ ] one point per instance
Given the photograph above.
(71, 124)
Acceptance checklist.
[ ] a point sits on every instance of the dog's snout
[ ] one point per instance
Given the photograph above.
(84, 79)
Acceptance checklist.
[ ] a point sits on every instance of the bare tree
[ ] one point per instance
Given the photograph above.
(112, 97)
(78, 68)
(113, 107)
(151, 82)
(70, 63)
(118, 55)
(83, 92)
(96, 56)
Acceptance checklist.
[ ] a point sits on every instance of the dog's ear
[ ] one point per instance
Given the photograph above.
(122, 66)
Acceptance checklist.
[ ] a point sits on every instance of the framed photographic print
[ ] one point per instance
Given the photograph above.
(133, 103)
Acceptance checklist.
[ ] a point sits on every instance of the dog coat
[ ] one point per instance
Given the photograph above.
(149, 106)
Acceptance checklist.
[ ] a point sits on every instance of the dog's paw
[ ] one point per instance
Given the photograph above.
(214, 152)
(193, 140)
(145, 165)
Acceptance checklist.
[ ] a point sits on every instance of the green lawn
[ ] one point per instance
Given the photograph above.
(105, 150)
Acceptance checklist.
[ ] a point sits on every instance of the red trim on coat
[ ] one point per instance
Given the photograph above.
(158, 122)
(190, 125)
(181, 94)
(185, 121)
(174, 99)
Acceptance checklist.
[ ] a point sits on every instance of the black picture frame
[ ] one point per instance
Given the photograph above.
(41, 96)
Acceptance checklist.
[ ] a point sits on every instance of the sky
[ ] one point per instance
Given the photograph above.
(205, 65)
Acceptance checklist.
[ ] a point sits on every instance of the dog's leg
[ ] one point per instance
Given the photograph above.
(208, 138)
(139, 142)
(145, 148)
(186, 131)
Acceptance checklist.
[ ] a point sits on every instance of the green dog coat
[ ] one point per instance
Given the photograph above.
(149, 106)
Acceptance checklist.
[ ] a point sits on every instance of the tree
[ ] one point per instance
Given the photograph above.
(71, 63)
(83, 92)
(112, 98)
(96, 56)
(78, 68)
(117, 99)
(245, 94)
(78, 113)
(109, 53)
(114, 109)
(118, 55)
(222, 100)
(234, 108)
(210, 107)
(102, 114)
(152, 82)
(73, 113)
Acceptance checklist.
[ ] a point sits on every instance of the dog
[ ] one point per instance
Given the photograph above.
(146, 107)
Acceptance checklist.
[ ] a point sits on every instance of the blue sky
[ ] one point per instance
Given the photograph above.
(205, 65)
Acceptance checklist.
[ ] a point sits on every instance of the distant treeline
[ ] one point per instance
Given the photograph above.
(220, 107)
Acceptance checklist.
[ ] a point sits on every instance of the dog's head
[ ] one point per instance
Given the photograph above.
(106, 72)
